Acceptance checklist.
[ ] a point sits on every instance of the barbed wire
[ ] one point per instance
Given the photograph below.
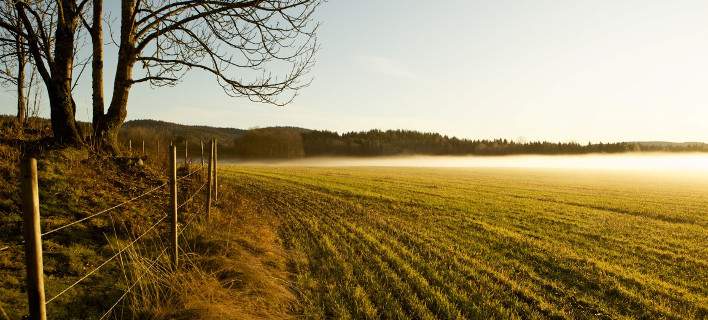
(116, 206)
(107, 261)
(190, 174)
(154, 262)
(104, 210)
(192, 218)
(126, 247)
(12, 245)
(22, 242)
(128, 290)
(123, 249)
(192, 196)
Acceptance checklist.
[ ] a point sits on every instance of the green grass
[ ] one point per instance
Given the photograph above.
(232, 264)
(486, 243)
(223, 274)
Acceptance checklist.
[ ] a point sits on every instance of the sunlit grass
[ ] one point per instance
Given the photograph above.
(487, 243)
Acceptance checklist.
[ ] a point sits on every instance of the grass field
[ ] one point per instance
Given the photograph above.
(486, 243)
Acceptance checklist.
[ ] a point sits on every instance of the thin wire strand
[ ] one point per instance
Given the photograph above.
(190, 174)
(127, 246)
(192, 196)
(84, 277)
(104, 210)
(156, 259)
(116, 206)
(192, 216)
(154, 262)
(106, 262)
(12, 245)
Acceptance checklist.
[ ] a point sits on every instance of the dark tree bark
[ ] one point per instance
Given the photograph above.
(96, 32)
(118, 107)
(21, 97)
(57, 76)
(63, 107)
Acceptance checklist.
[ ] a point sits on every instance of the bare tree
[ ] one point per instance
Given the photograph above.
(260, 49)
(13, 59)
(50, 30)
(241, 43)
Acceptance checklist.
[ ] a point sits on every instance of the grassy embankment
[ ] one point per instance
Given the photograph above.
(448, 243)
(225, 274)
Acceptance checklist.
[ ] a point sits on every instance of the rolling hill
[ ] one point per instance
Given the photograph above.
(294, 142)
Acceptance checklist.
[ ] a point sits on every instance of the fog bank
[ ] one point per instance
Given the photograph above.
(664, 162)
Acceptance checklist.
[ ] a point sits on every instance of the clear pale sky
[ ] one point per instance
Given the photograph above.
(604, 70)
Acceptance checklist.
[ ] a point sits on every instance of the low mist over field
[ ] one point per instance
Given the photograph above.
(687, 163)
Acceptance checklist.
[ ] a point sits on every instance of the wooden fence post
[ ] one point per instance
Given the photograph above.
(157, 151)
(143, 148)
(33, 241)
(174, 250)
(130, 147)
(210, 180)
(216, 170)
(201, 144)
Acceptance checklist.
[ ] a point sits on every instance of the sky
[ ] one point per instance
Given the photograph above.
(583, 71)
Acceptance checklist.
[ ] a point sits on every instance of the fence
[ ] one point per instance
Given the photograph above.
(157, 155)
(33, 236)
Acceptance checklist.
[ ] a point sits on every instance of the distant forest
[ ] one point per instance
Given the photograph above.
(290, 142)
(395, 142)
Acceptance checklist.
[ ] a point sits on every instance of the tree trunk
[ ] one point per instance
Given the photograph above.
(21, 96)
(97, 68)
(118, 108)
(58, 78)
(61, 102)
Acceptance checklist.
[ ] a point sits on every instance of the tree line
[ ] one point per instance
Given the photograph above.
(258, 49)
(292, 142)
(397, 142)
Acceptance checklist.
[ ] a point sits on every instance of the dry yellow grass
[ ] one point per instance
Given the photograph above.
(235, 269)
(234, 266)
